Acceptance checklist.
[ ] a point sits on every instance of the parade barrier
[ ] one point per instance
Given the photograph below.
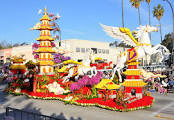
(16, 114)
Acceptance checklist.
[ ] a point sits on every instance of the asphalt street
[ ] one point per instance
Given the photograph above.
(163, 109)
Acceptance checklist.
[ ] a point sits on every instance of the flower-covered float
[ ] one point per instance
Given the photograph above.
(56, 76)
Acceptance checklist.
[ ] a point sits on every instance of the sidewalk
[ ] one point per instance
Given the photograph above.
(2, 107)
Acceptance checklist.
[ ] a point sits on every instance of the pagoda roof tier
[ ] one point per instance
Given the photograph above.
(16, 59)
(45, 38)
(45, 46)
(134, 83)
(45, 27)
(45, 50)
(46, 63)
(133, 63)
(17, 67)
(107, 84)
(45, 17)
(132, 72)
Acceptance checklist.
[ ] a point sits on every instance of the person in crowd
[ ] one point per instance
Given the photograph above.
(171, 83)
(164, 83)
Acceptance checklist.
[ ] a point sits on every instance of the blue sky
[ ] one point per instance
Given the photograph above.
(79, 18)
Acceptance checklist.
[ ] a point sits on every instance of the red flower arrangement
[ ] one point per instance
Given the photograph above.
(110, 104)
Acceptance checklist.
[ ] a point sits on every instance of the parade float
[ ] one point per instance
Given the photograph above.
(83, 84)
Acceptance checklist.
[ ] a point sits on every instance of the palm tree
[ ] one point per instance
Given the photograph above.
(136, 4)
(158, 12)
(148, 2)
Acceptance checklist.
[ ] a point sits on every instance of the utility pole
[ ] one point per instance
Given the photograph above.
(122, 15)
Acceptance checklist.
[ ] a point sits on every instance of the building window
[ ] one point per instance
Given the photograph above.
(87, 49)
(107, 51)
(94, 50)
(8, 59)
(83, 50)
(77, 49)
(103, 51)
(1, 62)
(79, 60)
(99, 51)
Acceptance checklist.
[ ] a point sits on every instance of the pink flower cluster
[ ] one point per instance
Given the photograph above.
(156, 84)
(53, 24)
(56, 29)
(35, 46)
(36, 56)
(53, 44)
(34, 52)
(50, 14)
(57, 37)
(86, 81)
(160, 88)
(55, 18)
(9, 77)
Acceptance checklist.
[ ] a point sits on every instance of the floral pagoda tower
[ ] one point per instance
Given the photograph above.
(45, 49)
(133, 84)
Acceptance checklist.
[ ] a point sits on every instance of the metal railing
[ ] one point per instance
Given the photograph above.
(25, 115)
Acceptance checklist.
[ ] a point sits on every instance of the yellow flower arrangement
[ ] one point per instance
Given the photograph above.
(17, 59)
(62, 70)
(132, 72)
(135, 83)
(107, 84)
(46, 62)
(71, 62)
(98, 58)
(45, 17)
(45, 27)
(17, 67)
(133, 63)
(45, 38)
(45, 49)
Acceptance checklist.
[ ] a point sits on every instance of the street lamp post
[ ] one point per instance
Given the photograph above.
(173, 28)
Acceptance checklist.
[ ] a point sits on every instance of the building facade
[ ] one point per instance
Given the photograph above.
(4, 55)
(25, 50)
(80, 48)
